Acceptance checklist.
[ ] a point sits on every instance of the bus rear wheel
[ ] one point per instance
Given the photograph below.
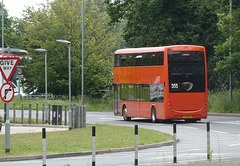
(125, 117)
(153, 115)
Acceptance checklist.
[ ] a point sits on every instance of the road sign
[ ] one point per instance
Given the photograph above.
(7, 66)
(19, 70)
(7, 92)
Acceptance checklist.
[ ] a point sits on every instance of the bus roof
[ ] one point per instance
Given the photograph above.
(157, 49)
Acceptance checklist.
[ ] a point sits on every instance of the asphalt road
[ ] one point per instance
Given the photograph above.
(225, 143)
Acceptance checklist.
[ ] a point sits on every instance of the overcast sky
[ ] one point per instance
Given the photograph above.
(15, 7)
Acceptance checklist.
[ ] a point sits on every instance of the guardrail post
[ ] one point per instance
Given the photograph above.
(44, 146)
(22, 114)
(60, 115)
(93, 145)
(73, 116)
(174, 143)
(208, 141)
(54, 115)
(30, 114)
(84, 115)
(49, 110)
(79, 117)
(43, 113)
(14, 113)
(136, 144)
(65, 120)
(36, 113)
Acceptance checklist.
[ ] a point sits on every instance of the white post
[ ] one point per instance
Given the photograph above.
(44, 146)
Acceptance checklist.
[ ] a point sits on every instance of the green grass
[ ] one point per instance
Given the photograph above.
(107, 137)
(219, 102)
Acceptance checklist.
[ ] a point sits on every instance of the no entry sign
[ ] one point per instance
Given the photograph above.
(7, 92)
(7, 66)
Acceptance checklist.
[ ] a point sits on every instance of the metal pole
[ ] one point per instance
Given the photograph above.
(2, 36)
(208, 141)
(82, 51)
(93, 145)
(46, 106)
(7, 126)
(44, 146)
(174, 143)
(7, 130)
(230, 50)
(69, 74)
(136, 144)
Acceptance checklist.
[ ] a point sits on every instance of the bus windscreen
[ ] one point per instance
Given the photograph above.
(186, 71)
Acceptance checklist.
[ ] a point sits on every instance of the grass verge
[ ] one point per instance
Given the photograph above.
(107, 137)
(219, 102)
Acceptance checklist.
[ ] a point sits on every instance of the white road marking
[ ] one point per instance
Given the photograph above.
(230, 122)
(235, 145)
(221, 132)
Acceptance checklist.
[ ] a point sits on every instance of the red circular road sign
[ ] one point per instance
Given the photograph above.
(7, 92)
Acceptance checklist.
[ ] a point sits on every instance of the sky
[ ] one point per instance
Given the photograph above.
(15, 7)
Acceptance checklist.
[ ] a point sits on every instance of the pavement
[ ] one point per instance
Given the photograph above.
(219, 162)
(19, 128)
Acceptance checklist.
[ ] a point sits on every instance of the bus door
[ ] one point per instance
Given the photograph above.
(137, 113)
(116, 99)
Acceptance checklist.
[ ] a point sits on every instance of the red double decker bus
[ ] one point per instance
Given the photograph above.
(161, 83)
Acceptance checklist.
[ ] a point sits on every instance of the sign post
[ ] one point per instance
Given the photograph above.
(7, 67)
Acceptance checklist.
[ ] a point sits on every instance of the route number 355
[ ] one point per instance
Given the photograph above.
(174, 85)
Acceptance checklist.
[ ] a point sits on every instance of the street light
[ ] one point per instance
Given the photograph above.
(69, 74)
(46, 107)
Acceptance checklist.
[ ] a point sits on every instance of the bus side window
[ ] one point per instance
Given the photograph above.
(146, 59)
(116, 60)
(138, 59)
(145, 93)
(160, 58)
(123, 60)
(130, 60)
(154, 59)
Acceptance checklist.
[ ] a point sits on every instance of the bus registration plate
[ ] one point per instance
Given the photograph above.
(187, 117)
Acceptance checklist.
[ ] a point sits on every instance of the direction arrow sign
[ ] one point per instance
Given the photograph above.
(7, 66)
(7, 92)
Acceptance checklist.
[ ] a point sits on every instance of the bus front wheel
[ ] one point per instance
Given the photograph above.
(153, 115)
(125, 117)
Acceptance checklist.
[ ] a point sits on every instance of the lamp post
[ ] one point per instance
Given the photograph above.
(69, 78)
(46, 107)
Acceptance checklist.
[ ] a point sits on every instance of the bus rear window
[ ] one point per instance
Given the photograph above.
(186, 71)
(185, 56)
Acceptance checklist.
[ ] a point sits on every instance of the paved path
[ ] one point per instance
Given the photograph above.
(14, 129)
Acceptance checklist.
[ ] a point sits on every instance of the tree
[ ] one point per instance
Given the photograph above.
(61, 19)
(12, 37)
(227, 62)
(161, 23)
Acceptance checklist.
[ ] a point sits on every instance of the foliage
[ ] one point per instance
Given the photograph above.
(11, 31)
(159, 23)
(61, 19)
(229, 60)
(218, 102)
